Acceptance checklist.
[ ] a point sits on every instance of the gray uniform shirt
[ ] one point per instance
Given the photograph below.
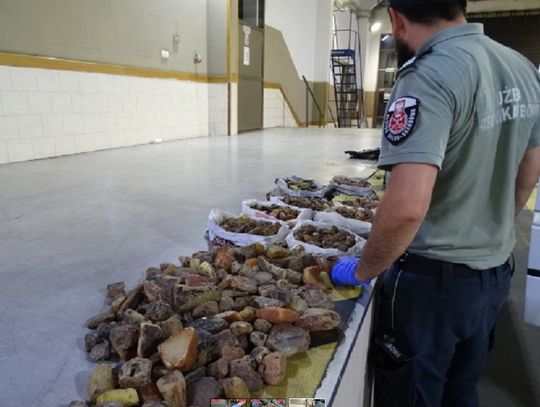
(471, 107)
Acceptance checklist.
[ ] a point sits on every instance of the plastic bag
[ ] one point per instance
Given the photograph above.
(345, 189)
(282, 188)
(218, 236)
(333, 218)
(356, 201)
(261, 215)
(292, 242)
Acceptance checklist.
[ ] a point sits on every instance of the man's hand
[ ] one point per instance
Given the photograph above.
(528, 174)
(399, 216)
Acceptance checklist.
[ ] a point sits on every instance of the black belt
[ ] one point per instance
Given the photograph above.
(412, 263)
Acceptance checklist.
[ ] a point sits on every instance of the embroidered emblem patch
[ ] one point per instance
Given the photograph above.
(400, 119)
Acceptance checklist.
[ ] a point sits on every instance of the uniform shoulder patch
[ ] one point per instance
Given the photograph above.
(400, 119)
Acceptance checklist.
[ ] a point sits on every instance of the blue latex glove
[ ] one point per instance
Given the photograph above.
(344, 272)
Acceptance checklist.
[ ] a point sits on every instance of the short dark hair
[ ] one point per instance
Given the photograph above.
(423, 14)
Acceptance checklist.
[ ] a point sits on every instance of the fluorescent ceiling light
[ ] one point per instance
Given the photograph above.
(376, 26)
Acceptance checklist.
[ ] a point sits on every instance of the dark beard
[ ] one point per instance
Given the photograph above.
(404, 52)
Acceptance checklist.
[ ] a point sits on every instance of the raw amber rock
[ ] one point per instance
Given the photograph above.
(288, 339)
(226, 337)
(172, 387)
(117, 303)
(296, 264)
(101, 380)
(263, 277)
(91, 339)
(263, 302)
(248, 314)
(243, 369)
(195, 280)
(187, 298)
(180, 350)
(101, 351)
(243, 284)
(206, 269)
(241, 328)
(235, 387)
(94, 322)
(277, 315)
(294, 276)
(318, 319)
(258, 338)
(133, 299)
(128, 397)
(277, 252)
(207, 309)
(262, 325)
(202, 391)
(149, 338)
(226, 303)
(123, 338)
(132, 317)
(211, 324)
(273, 368)
(265, 265)
(170, 326)
(232, 352)
(298, 304)
(315, 297)
(116, 289)
(195, 375)
(266, 290)
(135, 373)
(223, 258)
(150, 394)
(258, 353)
(219, 369)
(252, 262)
(311, 275)
(229, 316)
(241, 302)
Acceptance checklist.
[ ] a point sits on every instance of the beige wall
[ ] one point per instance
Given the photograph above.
(124, 32)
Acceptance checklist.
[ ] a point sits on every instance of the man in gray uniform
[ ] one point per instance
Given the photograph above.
(462, 139)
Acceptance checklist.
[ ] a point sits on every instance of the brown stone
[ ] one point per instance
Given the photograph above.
(207, 309)
(202, 391)
(246, 271)
(248, 314)
(241, 302)
(136, 372)
(149, 338)
(170, 326)
(294, 277)
(252, 262)
(288, 339)
(93, 322)
(123, 338)
(258, 338)
(194, 280)
(150, 395)
(273, 368)
(311, 275)
(243, 284)
(195, 375)
(240, 328)
(219, 369)
(101, 351)
(180, 350)
(296, 264)
(277, 272)
(101, 380)
(318, 319)
(116, 289)
(172, 387)
(243, 369)
(277, 315)
(258, 353)
(153, 272)
(91, 339)
(232, 352)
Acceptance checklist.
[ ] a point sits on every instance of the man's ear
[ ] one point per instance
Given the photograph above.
(398, 22)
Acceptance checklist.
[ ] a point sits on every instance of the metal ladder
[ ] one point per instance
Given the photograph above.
(348, 96)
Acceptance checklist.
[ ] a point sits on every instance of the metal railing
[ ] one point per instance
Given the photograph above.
(308, 93)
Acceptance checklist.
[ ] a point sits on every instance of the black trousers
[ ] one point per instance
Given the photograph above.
(432, 332)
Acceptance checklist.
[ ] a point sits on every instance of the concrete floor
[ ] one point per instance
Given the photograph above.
(71, 225)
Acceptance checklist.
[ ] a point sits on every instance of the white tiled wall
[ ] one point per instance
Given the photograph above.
(47, 113)
(217, 109)
(276, 110)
